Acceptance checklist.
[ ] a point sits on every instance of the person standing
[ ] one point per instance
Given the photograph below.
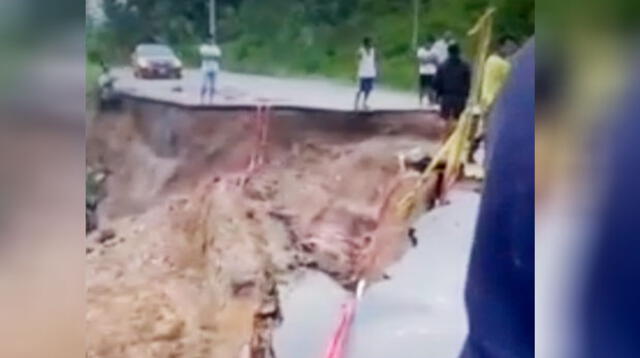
(496, 71)
(427, 69)
(106, 88)
(367, 72)
(453, 83)
(106, 83)
(441, 47)
(210, 54)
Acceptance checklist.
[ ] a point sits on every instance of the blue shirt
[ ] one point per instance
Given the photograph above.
(500, 281)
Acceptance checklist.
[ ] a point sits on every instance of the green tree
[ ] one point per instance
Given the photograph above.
(308, 36)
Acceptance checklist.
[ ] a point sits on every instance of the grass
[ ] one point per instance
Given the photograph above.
(396, 70)
(91, 84)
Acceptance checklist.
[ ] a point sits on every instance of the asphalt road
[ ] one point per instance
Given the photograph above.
(246, 89)
(418, 313)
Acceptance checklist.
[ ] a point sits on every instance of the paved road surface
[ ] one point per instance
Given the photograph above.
(418, 313)
(245, 89)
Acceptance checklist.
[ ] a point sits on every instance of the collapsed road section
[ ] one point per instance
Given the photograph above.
(200, 215)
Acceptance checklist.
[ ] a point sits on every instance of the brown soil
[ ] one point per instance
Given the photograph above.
(195, 238)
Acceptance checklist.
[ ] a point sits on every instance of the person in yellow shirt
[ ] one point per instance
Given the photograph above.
(497, 68)
(496, 71)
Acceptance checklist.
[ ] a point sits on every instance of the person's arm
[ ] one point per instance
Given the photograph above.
(421, 54)
(466, 80)
(377, 64)
(437, 83)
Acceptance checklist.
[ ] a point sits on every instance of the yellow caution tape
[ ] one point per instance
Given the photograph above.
(456, 146)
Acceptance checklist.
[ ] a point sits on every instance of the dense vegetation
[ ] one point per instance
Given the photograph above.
(299, 36)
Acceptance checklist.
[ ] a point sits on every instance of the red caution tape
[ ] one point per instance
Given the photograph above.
(339, 342)
(258, 156)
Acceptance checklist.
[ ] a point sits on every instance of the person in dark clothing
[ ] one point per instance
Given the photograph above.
(453, 82)
(500, 280)
(501, 283)
(608, 314)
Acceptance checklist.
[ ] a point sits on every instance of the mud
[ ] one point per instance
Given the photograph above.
(210, 212)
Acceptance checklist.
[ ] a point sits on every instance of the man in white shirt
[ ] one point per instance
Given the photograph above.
(427, 69)
(367, 72)
(210, 54)
(441, 47)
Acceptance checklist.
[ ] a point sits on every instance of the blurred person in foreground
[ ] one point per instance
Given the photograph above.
(427, 69)
(500, 279)
(367, 72)
(210, 54)
(609, 313)
(452, 84)
(587, 162)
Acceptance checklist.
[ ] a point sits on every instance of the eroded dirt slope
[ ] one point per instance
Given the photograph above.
(206, 215)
